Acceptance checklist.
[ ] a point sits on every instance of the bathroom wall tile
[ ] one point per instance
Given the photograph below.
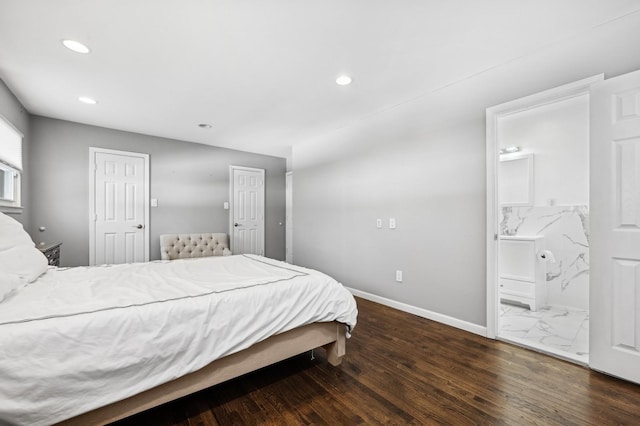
(566, 232)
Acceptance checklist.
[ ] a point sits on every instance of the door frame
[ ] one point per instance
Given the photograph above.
(288, 226)
(493, 114)
(92, 198)
(262, 172)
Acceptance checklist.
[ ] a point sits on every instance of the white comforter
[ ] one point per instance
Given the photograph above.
(80, 338)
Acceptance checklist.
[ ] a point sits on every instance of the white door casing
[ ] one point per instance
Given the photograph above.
(614, 300)
(494, 114)
(289, 216)
(118, 213)
(247, 210)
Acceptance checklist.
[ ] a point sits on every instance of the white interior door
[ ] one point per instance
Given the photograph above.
(119, 187)
(247, 215)
(615, 227)
(289, 217)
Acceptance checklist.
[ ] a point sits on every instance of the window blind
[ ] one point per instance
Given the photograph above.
(10, 144)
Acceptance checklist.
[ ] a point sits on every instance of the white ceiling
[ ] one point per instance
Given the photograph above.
(263, 72)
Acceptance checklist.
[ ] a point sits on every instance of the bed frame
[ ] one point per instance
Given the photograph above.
(330, 335)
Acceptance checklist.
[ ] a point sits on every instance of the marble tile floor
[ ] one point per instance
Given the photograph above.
(560, 331)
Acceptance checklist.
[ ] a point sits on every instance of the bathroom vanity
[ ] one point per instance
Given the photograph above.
(522, 274)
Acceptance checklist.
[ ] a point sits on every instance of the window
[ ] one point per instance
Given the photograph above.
(10, 167)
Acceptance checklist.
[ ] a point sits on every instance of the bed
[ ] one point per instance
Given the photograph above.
(91, 345)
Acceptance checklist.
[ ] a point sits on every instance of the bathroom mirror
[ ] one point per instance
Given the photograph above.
(516, 180)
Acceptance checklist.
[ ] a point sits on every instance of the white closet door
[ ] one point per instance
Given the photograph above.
(119, 216)
(247, 226)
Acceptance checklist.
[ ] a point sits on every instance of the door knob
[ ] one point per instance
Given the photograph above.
(236, 225)
(139, 226)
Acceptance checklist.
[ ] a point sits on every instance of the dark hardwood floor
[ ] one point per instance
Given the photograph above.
(402, 369)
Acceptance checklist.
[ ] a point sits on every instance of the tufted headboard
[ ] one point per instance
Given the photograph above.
(185, 246)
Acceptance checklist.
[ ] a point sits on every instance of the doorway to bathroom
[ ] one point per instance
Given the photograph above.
(538, 221)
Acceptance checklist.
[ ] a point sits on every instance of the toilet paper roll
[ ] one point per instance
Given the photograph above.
(546, 256)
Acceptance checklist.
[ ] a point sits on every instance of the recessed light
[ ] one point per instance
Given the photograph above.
(87, 100)
(205, 126)
(343, 80)
(76, 46)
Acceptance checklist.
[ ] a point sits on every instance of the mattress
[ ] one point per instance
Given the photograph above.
(81, 338)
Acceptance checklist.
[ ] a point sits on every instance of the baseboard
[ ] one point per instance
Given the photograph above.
(434, 316)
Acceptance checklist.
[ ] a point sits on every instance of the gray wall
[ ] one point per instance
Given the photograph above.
(190, 181)
(423, 163)
(12, 110)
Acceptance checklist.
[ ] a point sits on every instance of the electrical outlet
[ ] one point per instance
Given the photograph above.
(378, 223)
(399, 276)
(392, 223)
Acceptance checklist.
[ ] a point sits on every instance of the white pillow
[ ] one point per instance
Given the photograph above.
(25, 261)
(12, 233)
(19, 259)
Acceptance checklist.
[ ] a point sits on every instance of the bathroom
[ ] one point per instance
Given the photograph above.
(543, 186)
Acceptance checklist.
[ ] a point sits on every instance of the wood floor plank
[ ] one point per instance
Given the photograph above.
(403, 369)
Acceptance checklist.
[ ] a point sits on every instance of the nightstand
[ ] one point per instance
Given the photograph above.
(51, 252)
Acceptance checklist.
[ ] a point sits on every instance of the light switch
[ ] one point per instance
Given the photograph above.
(226, 205)
(378, 223)
(154, 202)
(392, 223)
